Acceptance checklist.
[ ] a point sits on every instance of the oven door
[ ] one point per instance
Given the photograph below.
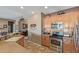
(56, 44)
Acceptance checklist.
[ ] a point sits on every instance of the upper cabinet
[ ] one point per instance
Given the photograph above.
(68, 19)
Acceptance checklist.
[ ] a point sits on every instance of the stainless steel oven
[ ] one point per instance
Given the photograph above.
(56, 42)
(56, 36)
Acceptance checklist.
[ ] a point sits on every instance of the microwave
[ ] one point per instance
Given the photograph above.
(57, 25)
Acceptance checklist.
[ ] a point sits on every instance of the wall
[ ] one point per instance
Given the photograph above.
(35, 33)
(3, 22)
(35, 19)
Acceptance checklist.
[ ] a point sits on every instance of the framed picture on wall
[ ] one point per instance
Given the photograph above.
(1, 27)
(33, 25)
(4, 26)
(25, 26)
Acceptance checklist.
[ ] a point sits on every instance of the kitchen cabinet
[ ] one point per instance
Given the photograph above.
(68, 46)
(21, 41)
(45, 41)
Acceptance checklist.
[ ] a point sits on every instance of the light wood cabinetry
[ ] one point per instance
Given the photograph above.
(68, 45)
(21, 41)
(69, 19)
(45, 41)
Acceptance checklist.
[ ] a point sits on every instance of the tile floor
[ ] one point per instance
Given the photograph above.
(34, 48)
(13, 47)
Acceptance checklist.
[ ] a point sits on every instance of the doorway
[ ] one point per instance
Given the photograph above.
(10, 26)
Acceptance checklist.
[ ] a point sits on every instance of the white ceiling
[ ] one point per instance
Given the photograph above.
(13, 12)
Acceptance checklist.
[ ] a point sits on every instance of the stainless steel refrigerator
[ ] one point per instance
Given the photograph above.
(76, 37)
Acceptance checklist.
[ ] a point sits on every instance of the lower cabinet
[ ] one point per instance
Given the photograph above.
(21, 41)
(45, 41)
(68, 46)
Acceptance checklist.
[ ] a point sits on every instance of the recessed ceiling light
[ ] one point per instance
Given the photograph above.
(45, 7)
(33, 12)
(22, 7)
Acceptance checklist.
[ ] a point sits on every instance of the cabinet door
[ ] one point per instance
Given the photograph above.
(45, 41)
(21, 41)
(68, 46)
